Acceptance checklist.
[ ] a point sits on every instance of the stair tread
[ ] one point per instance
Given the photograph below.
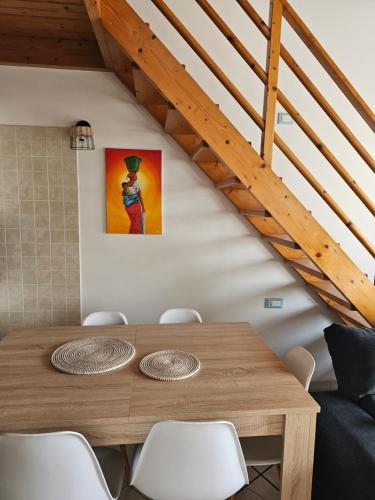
(307, 266)
(282, 239)
(352, 316)
(230, 183)
(176, 124)
(327, 288)
(254, 212)
(204, 153)
(146, 93)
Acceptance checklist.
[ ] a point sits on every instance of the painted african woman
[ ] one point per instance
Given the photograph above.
(132, 196)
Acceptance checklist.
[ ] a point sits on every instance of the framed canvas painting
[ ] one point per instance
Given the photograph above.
(133, 190)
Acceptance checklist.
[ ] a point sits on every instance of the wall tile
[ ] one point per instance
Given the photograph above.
(13, 262)
(27, 235)
(8, 147)
(43, 249)
(43, 277)
(25, 178)
(38, 133)
(23, 133)
(26, 193)
(43, 235)
(58, 250)
(57, 221)
(11, 220)
(39, 247)
(8, 162)
(44, 262)
(41, 193)
(56, 194)
(13, 249)
(26, 207)
(41, 221)
(29, 277)
(27, 220)
(8, 132)
(10, 177)
(23, 148)
(28, 262)
(39, 164)
(41, 207)
(24, 164)
(40, 179)
(30, 303)
(70, 194)
(39, 148)
(45, 318)
(56, 208)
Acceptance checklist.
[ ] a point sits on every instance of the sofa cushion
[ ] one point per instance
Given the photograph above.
(344, 463)
(353, 357)
(367, 403)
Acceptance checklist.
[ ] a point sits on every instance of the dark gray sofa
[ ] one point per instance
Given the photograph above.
(344, 465)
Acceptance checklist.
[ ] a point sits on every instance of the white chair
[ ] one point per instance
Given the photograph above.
(190, 461)
(103, 318)
(58, 466)
(267, 450)
(180, 315)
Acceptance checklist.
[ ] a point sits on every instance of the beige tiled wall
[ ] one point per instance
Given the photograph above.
(39, 245)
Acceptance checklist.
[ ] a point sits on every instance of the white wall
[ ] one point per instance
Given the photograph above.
(208, 257)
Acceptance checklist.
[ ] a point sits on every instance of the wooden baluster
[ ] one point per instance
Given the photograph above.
(328, 64)
(272, 68)
(310, 86)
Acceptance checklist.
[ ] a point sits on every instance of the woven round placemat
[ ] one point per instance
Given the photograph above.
(92, 355)
(169, 365)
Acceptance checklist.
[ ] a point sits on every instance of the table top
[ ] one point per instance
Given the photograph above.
(239, 377)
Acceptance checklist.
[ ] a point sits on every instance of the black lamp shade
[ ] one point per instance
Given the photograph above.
(81, 136)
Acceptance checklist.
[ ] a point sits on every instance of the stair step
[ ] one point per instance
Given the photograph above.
(329, 290)
(176, 123)
(158, 111)
(281, 239)
(254, 212)
(352, 316)
(231, 182)
(203, 153)
(145, 92)
(307, 266)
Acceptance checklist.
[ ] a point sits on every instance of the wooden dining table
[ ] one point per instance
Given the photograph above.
(240, 380)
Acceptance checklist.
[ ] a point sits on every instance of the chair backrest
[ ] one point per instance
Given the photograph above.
(301, 363)
(180, 315)
(58, 466)
(105, 318)
(190, 461)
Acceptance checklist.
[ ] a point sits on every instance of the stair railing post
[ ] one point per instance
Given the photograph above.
(272, 69)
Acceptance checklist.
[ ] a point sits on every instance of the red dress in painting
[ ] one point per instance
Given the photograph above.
(133, 207)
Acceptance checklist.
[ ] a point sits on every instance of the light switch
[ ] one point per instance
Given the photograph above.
(273, 303)
(284, 119)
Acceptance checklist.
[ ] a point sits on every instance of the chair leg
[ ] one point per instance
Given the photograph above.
(127, 466)
(262, 475)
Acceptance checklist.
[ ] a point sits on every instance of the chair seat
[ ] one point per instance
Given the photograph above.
(112, 464)
(262, 450)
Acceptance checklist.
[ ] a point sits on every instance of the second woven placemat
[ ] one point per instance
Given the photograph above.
(169, 365)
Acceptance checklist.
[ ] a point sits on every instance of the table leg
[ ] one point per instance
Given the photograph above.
(298, 456)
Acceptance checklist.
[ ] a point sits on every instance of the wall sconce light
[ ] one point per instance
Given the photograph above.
(81, 136)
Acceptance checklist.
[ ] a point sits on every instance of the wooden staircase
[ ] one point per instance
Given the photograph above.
(166, 90)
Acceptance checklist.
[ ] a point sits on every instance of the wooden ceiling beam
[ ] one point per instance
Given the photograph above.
(50, 52)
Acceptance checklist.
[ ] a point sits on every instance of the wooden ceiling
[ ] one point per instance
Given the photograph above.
(54, 33)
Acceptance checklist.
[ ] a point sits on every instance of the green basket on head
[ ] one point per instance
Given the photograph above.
(133, 163)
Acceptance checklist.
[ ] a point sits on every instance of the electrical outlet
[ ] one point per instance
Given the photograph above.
(273, 303)
(284, 119)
